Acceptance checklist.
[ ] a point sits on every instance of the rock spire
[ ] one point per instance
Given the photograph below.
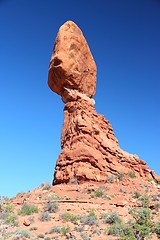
(90, 151)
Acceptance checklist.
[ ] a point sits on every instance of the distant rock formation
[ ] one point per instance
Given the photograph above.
(90, 151)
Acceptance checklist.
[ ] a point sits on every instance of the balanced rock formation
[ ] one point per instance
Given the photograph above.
(90, 151)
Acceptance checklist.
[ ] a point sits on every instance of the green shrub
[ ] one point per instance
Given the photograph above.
(155, 198)
(7, 214)
(142, 216)
(33, 228)
(79, 228)
(120, 176)
(131, 174)
(137, 194)
(110, 179)
(85, 236)
(73, 180)
(44, 217)
(41, 235)
(156, 229)
(111, 218)
(65, 230)
(97, 232)
(56, 229)
(21, 234)
(90, 220)
(144, 201)
(54, 196)
(70, 217)
(99, 193)
(141, 227)
(91, 213)
(122, 230)
(56, 238)
(11, 220)
(20, 195)
(8, 208)
(8, 235)
(28, 209)
(51, 207)
(46, 186)
(157, 206)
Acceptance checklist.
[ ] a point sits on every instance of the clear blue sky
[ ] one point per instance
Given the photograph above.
(124, 37)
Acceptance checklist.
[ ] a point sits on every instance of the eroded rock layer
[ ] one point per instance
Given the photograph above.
(90, 151)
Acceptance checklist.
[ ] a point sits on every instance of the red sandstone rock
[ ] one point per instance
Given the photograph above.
(26, 222)
(72, 65)
(90, 151)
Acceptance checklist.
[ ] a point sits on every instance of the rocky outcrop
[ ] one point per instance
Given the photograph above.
(90, 151)
(72, 65)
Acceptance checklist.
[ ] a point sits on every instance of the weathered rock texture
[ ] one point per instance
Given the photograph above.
(90, 151)
(72, 64)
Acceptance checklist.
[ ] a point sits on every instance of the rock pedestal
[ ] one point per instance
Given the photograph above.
(90, 151)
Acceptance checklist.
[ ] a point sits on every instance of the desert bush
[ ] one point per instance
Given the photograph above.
(56, 238)
(85, 236)
(142, 225)
(65, 230)
(51, 207)
(110, 179)
(120, 176)
(21, 233)
(28, 209)
(156, 229)
(44, 217)
(33, 228)
(97, 232)
(11, 219)
(90, 220)
(70, 217)
(99, 193)
(46, 186)
(73, 180)
(131, 174)
(137, 194)
(111, 218)
(55, 229)
(139, 228)
(122, 230)
(142, 216)
(157, 206)
(7, 235)
(7, 215)
(155, 198)
(79, 228)
(54, 196)
(20, 194)
(41, 235)
(144, 201)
